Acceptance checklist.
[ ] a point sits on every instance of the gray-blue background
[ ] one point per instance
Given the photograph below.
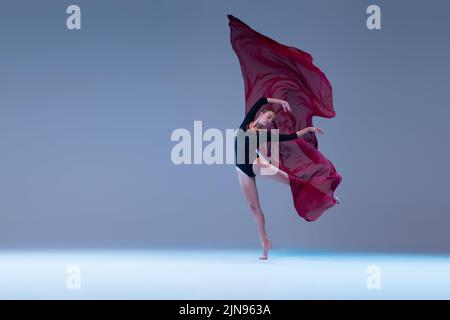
(86, 118)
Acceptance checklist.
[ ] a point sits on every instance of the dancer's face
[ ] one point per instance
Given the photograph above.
(266, 117)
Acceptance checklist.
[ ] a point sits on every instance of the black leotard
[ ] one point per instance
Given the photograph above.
(247, 167)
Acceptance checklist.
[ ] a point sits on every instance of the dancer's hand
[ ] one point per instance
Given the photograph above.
(309, 129)
(314, 129)
(286, 106)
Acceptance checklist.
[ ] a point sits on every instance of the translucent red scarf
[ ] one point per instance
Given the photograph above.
(271, 69)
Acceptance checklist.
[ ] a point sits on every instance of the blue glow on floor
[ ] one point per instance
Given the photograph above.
(221, 274)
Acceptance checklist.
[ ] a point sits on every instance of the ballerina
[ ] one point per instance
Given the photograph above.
(253, 164)
(273, 69)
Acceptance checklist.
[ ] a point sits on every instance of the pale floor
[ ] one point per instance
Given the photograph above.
(221, 274)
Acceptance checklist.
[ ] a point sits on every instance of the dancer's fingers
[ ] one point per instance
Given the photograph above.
(286, 107)
(318, 130)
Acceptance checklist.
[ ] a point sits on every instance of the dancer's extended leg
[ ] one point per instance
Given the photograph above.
(263, 168)
(248, 186)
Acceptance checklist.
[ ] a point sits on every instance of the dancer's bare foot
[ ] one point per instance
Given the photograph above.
(336, 198)
(266, 247)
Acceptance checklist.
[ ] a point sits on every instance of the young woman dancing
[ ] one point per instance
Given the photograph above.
(253, 164)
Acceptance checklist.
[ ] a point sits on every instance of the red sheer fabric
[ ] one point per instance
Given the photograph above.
(271, 69)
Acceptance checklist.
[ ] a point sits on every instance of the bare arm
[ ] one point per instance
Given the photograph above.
(283, 103)
(270, 136)
(308, 129)
(263, 148)
(274, 100)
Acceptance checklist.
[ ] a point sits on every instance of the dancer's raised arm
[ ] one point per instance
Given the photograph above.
(249, 117)
(283, 103)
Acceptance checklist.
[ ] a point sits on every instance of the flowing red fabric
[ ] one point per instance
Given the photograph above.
(271, 69)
